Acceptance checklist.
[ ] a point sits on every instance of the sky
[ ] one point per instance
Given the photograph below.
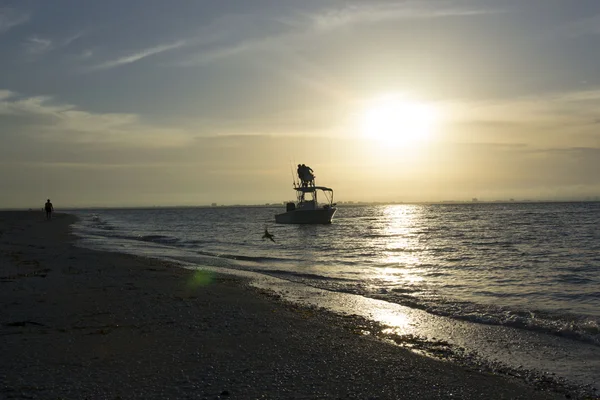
(164, 103)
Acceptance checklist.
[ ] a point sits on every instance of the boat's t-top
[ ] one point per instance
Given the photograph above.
(311, 200)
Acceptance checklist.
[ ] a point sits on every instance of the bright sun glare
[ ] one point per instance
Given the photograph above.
(397, 121)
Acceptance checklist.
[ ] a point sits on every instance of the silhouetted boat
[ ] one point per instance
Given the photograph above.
(307, 210)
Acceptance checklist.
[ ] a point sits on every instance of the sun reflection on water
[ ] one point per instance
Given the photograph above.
(398, 323)
(401, 248)
(397, 276)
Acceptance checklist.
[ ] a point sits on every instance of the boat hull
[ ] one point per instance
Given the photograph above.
(320, 216)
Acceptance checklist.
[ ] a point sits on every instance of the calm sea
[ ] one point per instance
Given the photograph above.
(534, 266)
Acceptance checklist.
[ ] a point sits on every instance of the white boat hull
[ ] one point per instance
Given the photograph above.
(299, 216)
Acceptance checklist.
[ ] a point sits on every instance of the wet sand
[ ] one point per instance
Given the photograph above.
(77, 323)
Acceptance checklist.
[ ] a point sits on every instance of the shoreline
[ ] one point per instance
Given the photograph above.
(79, 323)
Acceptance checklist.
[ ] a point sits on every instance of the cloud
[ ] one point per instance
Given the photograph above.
(223, 37)
(571, 107)
(5, 94)
(46, 119)
(372, 13)
(36, 45)
(70, 39)
(37, 106)
(86, 54)
(9, 18)
(211, 55)
(139, 55)
(561, 120)
(248, 33)
(232, 35)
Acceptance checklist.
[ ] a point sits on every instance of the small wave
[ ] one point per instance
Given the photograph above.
(404, 290)
(498, 243)
(196, 242)
(577, 327)
(436, 274)
(248, 258)
(443, 249)
(574, 279)
(458, 259)
(113, 234)
(375, 235)
(404, 250)
(98, 223)
(281, 273)
(159, 239)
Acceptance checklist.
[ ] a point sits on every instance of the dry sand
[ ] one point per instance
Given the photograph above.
(82, 324)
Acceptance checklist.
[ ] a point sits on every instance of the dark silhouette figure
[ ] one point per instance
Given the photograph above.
(305, 173)
(49, 208)
(267, 235)
(309, 175)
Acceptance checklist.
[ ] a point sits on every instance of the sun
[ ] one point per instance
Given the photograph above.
(397, 121)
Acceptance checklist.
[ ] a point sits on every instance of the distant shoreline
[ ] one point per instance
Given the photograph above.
(339, 204)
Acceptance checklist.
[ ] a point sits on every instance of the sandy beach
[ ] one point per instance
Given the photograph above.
(82, 324)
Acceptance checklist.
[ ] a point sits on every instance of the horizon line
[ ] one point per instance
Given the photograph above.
(589, 199)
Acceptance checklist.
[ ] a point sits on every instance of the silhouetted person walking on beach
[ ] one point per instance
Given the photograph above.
(49, 208)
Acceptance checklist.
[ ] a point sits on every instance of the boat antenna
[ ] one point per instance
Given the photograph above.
(292, 171)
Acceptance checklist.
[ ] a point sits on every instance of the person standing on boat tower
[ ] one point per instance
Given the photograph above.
(310, 176)
(306, 176)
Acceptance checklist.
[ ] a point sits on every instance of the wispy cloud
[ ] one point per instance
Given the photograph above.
(214, 54)
(9, 18)
(139, 55)
(38, 106)
(36, 45)
(241, 35)
(550, 112)
(86, 53)
(231, 35)
(371, 13)
(54, 121)
(70, 39)
(5, 94)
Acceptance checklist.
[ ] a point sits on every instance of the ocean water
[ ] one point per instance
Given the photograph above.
(530, 266)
